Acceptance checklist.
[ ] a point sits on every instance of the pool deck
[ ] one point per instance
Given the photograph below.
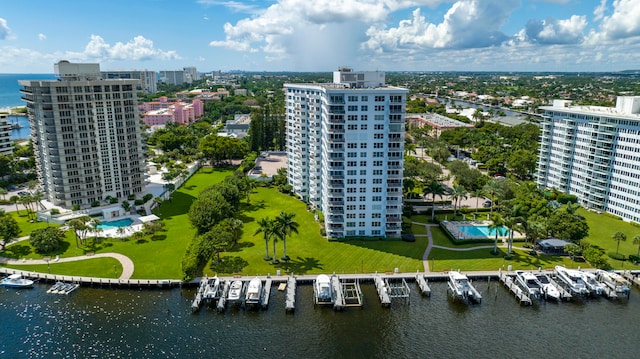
(454, 228)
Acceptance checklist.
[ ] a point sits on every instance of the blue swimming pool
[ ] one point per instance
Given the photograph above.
(480, 231)
(125, 222)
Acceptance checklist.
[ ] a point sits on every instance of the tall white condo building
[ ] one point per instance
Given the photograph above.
(593, 152)
(345, 148)
(86, 135)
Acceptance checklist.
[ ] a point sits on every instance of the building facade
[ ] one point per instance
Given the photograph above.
(593, 152)
(148, 79)
(6, 148)
(175, 77)
(345, 151)
(86, 135)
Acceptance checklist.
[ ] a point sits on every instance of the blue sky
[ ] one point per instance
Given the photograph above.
(320, 35)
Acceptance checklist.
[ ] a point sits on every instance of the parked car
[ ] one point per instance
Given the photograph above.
(487, 203)
(23, 193)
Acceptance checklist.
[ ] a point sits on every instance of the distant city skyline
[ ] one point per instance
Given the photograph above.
(302, 35)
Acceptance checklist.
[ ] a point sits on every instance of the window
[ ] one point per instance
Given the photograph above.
(363, 164)
(363, 126)
(363, 181)
(362, 224)
(363, 207)
(378, 127)
(363, 145)
(363, 190)
(363, 154)
(378, 108)
(353, 98)
(364, 98)
(363, 172)
(379, 98)
(379, 117)
(352, 108)
(362, 215)
(364, 108)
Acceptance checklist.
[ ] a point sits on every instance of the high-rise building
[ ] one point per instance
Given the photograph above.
(86, 135)
(192, 71)
(593, 153)
(175, 77)
(6, 148)
(345, 148)
(148, 79)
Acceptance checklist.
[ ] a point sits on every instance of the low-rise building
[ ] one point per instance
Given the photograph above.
(438, 123)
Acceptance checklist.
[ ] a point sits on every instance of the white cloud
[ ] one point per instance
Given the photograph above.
(598, 12)
(4, 29)
(139, 48)
(232, 5)
(623, 22)
(42, 37)
(552, 31)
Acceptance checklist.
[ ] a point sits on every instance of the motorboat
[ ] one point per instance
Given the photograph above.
(16, 281)
(254, 291)
(211, 288)
(549, 291)
(573, 280)
(461, 288)
(592, 283)
(322, 289)
(235, 291)
(614, 281)
(530, 283)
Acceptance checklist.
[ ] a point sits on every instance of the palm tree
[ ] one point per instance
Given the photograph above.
(434, 189)
(636, 240)
(37, 197)
(458, 193)
(477, 193)
(79, 228)
(3, 193)
(496, 225)
(233, 226)
(266, 227)
(15, 200)
(492, 189)
(619, 236)
(250, 183)
(286, 225)
(516, 217)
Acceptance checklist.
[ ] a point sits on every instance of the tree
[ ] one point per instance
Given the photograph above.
(492, 189)
(636, 240)
(126, 206)
(95, 223)
(208, 210)
(15, 200)
(516, 218)
(619, 236)
(567, 226)
(267, 228)
(434, 189)
(458, 193)
(215, 241)
(37, 198)
(234, 227)
(496, 225)
(286, 225)
(8, 229)
(3, 192)
(573, 250)
(46, 240)
(250, 184)
(80, 228)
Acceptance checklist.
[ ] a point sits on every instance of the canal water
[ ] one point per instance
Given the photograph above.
(159, 324)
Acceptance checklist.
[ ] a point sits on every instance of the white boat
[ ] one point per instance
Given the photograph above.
(16, 281)
(614, 281)
(462, 289)
(212, 287)
(592, 283)
(254, 291)
(530, 283)
(322, 289)
(549, 291)
(573, 280)
(235, 291)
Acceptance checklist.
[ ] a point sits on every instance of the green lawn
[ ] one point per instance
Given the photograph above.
(26, 227)
(484, 259)
(96, 267)
(601, 230)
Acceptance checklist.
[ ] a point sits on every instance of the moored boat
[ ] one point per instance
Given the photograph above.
(592, 284)
(322, 289)
(549, 291)
(211, 288)
(254, 290)
(235, 291)
(462, 289)
(573, 280)
(530, 283)
(16, 281)
(614, 281)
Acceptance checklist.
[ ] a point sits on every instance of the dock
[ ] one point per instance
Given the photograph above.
(63, 288)
(338, 303)
(514, 288)
(290, 303)
(266, 292)
(423, 285)
(352, 293)
(397, 288)
(631, 277)
(383, 291)
(222, 302)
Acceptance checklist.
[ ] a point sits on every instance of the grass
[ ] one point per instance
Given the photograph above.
(26, 227)
(601, 230)
(97, 267)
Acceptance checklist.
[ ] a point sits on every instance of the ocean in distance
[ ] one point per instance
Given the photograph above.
(10, 97)
(102, 322)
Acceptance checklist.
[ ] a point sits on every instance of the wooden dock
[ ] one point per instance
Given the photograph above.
(423, 285)
(513, 287)
(290, 303)
(338, 302)
(266, 292)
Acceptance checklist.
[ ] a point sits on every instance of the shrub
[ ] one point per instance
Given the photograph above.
(635, 224)
(131, 197)
(147, 197)
(617, 256)
(595, 257)
(567, 198)
(633, 258)
(113, 200)
(611, 215)
(138, 202)
(75, 207)
(54, 211)
(95, 203)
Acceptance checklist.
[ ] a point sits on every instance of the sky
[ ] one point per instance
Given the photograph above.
(322, 35)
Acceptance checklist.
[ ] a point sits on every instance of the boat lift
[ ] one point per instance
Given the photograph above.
(352, 293)
(397, 288)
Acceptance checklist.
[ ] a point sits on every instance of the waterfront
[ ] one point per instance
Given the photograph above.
(159, 323)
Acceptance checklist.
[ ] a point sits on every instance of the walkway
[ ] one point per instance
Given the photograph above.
(127, 264)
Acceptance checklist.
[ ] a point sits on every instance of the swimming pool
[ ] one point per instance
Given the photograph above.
(480, 231)
(125, 222)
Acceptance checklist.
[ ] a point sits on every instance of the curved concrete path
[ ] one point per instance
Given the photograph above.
(430, 245)
(127, 264)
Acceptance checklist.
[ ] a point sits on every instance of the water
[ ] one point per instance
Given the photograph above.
(480, 231)
(159, 324)
(10, 90)
(24, 131)
(125, 222)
